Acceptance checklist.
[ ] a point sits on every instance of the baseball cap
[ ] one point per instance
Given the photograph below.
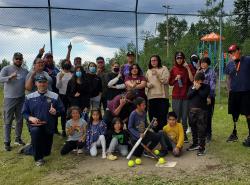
(232, 48)
(41, 78)
(130, 53)
(18, 55)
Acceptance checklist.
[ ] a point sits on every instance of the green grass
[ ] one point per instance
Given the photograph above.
(234, 168)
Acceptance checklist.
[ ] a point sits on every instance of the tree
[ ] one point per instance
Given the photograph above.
(242, 11)
(5, 62)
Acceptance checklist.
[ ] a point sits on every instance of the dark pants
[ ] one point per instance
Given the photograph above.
(198, 123)
(210, 113)
(158, 108)
(107, 118)
(70, 145)
(151, 139)
(166, 142)
(103, 101)
(41, 142)
(65, 102)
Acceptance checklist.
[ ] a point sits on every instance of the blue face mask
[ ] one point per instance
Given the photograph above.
(92, 69)
(78, 74)
(195, 64)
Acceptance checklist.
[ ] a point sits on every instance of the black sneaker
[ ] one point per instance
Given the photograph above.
(163, 153)
(232, 138)
(247, 142)
(201, 151)
(185, 139)
(23, 148)
(19, 141)
(7, 147)
(193, 147)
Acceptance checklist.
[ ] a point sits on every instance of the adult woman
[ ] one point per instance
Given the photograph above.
(62, 80)
(78, 89)
(181, 78)
(115, 81)
(96, 86)
(157, 82)
(136, 81)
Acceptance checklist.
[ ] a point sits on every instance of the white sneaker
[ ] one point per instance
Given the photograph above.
(188, 130)
(104, 156)
(80, 151)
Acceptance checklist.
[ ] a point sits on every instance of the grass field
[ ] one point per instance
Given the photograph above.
(232, 167)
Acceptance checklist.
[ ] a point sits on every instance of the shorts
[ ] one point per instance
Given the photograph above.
(239, 103)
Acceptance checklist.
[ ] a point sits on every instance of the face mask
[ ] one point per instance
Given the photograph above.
(78, 74)
(116, 69)
(92, 69)
(195, 64)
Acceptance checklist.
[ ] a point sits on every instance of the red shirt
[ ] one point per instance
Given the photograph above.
(138, 80)
(180, 92)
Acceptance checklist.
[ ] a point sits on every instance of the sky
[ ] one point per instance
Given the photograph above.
(91, 33)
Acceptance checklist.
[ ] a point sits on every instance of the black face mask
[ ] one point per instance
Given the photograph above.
(116, 69)
(67, 66)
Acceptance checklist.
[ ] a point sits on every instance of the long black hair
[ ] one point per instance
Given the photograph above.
(138, 67)
(91, 114)
(158, 59)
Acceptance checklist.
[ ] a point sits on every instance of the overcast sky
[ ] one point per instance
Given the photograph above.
(92, 33)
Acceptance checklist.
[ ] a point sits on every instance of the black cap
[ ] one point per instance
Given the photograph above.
(41, 78)
(18, 55)
(130, 53)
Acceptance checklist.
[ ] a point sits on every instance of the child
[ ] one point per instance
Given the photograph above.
(172, 137)
(76, 131)
(117, 139)
(197, 96)
(137, 125)
(95, 133)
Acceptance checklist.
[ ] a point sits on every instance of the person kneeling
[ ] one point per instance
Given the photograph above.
(172, 136)
(76, 131)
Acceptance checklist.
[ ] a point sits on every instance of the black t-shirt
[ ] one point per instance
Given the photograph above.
(95, 85)
(122, 137)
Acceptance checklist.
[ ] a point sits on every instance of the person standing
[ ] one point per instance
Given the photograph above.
(41, 110)
(125, 69)
(13, 77)
(181, 78)
(157, 82)
(238, 70)
(210, 79)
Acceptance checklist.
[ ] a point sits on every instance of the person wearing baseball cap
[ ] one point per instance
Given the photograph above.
(130, 60)
(13, 77)
(237, 71)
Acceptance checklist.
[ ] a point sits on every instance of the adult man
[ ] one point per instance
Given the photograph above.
(41, 109)
(130, 61)
(239, 89)
(103, 75)
(13, 77)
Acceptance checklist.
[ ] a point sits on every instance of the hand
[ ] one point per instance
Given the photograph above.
(13, 75)
(154, 72)
(150, 85)
(142, 135)
(185, 64)
(34, 120)
(123, 101)
(77, 94)
(208, 101)
(61, 75)
(42, 50)
(119, 75)
(178, 77)
(69, 46)
(176, 150)
(134, 84)
(197, 85)
(52, 110)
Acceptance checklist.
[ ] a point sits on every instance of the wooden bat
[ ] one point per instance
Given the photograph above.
(150, 151)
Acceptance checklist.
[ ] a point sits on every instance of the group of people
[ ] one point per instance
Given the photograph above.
(109, 108)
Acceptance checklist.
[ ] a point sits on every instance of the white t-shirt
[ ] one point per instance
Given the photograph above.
(62, 84)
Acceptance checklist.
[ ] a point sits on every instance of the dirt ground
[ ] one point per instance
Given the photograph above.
(189, 163)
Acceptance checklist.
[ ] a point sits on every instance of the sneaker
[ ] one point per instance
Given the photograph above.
(80, 151)
(19, 142)
(39, 162)
(185, 139)
(111, 157)
(232, 138)
(22, 149)
(7, 146)
(247, 142)
(201, 151)
(193, 147)
(104, 155)
(163, 153)
(145, 154)
(188, 130)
